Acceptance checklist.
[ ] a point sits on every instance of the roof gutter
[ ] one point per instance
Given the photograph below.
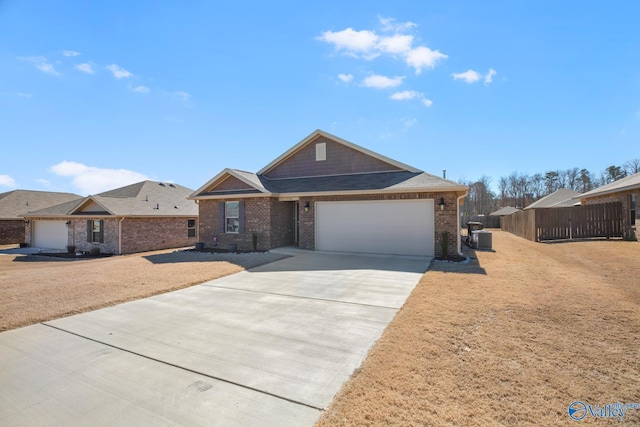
(120, 236)
(335, 193)
(458, 234)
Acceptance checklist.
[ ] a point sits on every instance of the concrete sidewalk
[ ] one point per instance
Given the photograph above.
(268, 346)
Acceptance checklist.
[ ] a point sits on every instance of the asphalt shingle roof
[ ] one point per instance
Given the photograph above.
(13, 204)
(146, 198)
(507, 210)
(384, 181)
(560, 198)
(627, 183)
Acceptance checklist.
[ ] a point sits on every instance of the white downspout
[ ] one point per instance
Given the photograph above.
(458, 222)
(120, 236)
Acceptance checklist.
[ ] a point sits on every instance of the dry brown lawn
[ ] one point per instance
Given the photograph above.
(510, 339)
(35, 288)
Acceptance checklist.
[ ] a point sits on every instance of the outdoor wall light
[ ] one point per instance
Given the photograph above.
(307, 205)
(68, 223)
(26, 221)
(441, 203)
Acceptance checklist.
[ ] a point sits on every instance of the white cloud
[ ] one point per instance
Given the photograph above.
(398, 43)
(469, 76)
(44, 182)
(85, 68)
(382, 82)
(367, 44)
(408, 95)
(346, 78)
(93, 180)
(141, 89)
(389, 24)
(405, 95)
(7, 181)
(24, 95)
(423, 57)
(70, 53)
(42, 64)
(182, 95)
(119, 72)
(351, 40)
(489, 77)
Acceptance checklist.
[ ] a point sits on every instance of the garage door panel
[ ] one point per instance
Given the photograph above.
(50, 234)
(383, 227)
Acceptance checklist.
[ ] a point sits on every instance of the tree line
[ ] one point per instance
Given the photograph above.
(520, 189)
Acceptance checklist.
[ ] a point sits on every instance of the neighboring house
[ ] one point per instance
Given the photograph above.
(329, 194)
(560, 198)
(507, 210)
(627, 192)
(17, 202)
(140, 217)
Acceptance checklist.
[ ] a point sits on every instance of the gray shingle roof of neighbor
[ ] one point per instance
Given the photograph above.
(630, 182)
(560, 198)
(507, 210)
(13, 204)
(146, 198)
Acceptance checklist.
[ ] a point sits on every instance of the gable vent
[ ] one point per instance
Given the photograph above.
(321, 151)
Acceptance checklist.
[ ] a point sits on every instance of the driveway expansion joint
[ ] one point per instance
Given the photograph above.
(300, 297)
(185, 369)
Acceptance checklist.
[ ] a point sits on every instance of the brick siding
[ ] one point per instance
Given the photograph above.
(12, 232)
(269, 219)
(340, 160)
(139, 234)
(272, 220)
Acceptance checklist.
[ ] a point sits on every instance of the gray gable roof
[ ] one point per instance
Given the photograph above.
(627, 183)
(400, 181)
(13, 204)
(559, 198)
(507, 210)
(403, 179)
(143, 199)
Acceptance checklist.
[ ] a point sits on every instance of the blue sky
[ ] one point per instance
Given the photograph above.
(96, 95)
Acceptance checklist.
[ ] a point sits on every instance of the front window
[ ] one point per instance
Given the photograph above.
(232, 217)
(632, 208)
(95, 231)
(191, 228)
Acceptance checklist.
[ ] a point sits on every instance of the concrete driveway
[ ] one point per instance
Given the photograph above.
(267, 346)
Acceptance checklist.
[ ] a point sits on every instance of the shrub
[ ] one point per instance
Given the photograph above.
(255, 242)
(95, 250)
(71, 248)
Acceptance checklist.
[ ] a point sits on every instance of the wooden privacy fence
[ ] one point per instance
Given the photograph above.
(574, 222)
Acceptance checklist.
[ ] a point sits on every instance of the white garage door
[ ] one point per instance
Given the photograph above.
(398, 227)
(50, 234)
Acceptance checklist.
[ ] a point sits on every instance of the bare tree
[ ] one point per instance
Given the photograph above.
(537, 186)
(632, 166)
(572, 179)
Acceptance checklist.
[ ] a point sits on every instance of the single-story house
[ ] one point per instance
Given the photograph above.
(328, 194)
(561, 198)
(140, 217)
(507, 210)
(17, 202)
(627, 192)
